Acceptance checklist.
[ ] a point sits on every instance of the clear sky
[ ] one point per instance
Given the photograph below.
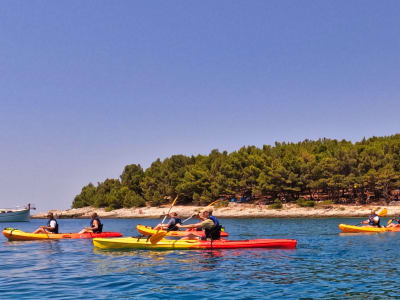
(88, 87)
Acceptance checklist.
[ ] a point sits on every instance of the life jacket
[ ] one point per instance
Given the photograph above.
(172, 226)
(99, 228)
(214, 233)
(372, 222)
(55, 229)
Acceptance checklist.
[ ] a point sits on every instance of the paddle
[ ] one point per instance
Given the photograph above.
(382, 212)
(156, 237)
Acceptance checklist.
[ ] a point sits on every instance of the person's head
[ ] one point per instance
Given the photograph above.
(93, 215)
(173, 215)
(373, 212)
(50, 215)
(207, 212)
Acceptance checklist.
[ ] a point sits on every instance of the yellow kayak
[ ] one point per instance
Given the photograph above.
(18, 235)
(147, 230)
(164, 244)
(353, 228)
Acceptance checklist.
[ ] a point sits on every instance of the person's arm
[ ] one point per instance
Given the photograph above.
(197, 225)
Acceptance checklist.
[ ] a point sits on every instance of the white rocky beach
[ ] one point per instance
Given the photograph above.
(233, 210)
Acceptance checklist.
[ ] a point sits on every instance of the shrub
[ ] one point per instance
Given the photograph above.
(222, 203)
(305, 203)
(276, 205)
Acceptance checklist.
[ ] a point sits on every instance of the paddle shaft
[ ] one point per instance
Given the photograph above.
(173, 203)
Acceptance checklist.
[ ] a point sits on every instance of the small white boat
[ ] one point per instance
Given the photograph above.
(15, 215)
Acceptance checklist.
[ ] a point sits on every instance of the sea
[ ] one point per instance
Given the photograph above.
(326, 264)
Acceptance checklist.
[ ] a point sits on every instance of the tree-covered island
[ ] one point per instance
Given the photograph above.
(328, 170)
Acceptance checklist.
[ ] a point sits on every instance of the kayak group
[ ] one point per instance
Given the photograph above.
(207, 233)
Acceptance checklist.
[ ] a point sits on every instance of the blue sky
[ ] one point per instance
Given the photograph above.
(88, 87)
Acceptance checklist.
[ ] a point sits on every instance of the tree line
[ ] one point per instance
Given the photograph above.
(341, 171)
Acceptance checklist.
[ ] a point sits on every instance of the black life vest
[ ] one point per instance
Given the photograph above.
(172, 226)
(214, 233)
(99, 228)
(53, 229)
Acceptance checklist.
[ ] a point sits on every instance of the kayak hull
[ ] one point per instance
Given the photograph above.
(164, 244)
(147, 230)
(358, 229)
(354, 229)
(18, 235)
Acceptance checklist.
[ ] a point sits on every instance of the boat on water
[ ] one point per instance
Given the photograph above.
(358, 229)
(18, 235)
(164, 244)
(147, 230)
(15, 215)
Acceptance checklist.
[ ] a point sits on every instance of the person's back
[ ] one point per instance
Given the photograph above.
(173, 222)
(99, 227)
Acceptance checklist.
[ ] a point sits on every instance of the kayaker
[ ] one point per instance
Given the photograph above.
(173, 224)
(209, 224)
(373, 219)
(51, 227)
(95, 225)
(391, 224)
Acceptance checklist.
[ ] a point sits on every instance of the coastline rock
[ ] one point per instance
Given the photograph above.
(233, 210)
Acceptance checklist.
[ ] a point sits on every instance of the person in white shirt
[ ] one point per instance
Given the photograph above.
(51, 227)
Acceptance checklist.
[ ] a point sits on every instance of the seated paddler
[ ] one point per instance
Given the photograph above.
(209, 224)
(95, 225)
(394, 222)
(51, 227)
(373, 220)
(173, 224)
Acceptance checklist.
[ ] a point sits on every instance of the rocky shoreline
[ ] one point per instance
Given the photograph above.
(233, 210)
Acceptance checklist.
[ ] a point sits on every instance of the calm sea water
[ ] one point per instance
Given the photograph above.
(325, 264)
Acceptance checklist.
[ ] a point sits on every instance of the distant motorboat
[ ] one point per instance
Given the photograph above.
(15, 215)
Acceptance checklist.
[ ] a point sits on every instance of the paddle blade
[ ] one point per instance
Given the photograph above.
(382, 212)
(158, 236)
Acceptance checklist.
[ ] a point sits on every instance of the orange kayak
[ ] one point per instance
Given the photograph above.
(17, 235)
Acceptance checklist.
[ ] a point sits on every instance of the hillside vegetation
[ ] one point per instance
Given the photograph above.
(326, 169)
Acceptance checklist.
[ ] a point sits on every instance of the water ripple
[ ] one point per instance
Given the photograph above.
(326, 265)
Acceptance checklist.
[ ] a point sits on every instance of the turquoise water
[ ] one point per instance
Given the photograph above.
(325, 264)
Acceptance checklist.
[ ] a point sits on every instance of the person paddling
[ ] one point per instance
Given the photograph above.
(373, 219)
(173, 224)
(51, 227)
(95, 225)
(391, 224)
(209, 224)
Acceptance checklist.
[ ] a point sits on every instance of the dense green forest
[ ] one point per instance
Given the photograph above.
(326, 169)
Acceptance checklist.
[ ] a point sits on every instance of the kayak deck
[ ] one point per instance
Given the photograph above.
(164, 244)
(147, 230)
(18, 235)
